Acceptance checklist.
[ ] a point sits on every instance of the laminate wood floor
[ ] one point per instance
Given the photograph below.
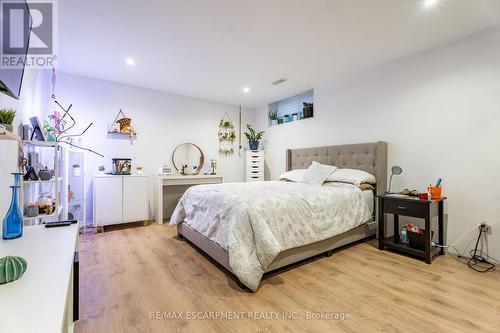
(127, 274)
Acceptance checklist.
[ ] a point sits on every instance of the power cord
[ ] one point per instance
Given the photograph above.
(459, 240)
(478, 260)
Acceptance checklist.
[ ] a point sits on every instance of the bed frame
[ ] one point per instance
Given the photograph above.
(370, 157)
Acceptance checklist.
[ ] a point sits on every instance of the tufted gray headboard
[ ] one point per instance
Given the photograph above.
(369, 157)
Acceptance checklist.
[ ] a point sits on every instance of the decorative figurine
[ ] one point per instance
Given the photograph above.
(183, 169)
(12, 268)
(213, 167)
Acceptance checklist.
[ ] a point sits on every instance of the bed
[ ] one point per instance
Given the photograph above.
(242, 233)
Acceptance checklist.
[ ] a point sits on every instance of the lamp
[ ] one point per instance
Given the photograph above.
(396, 170)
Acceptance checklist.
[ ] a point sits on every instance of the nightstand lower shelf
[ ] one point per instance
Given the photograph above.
(402, 248)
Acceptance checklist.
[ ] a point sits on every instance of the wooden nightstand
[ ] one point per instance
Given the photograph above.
(406, 206)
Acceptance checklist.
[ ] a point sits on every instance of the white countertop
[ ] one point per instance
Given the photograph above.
(188, 176)
(111, 175)
(37, 301)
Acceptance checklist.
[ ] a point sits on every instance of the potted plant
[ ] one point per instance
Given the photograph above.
(273, 116)
(50, 131)
(77, 170)
(6, 118)
(253, 137)
(308, 110)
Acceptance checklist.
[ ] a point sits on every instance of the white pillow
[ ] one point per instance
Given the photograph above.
(337, 184)
(317, 173)
(351, 176)
(294, 175)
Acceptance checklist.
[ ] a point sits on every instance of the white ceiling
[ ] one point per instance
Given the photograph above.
(211, 49)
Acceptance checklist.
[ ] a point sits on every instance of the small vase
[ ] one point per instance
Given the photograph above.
(9, 128)
(254, 145)
(17, 178)
(44, 174)
(12, 226)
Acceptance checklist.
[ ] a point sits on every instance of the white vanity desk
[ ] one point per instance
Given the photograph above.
(170, 188)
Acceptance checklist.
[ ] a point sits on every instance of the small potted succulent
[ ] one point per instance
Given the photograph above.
(273, 116)
(50, 131)
(77, 170)
(32, 210)
(253, 137)
(6, 118)
(308, 110)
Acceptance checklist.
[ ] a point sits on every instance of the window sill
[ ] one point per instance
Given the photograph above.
(270, 124)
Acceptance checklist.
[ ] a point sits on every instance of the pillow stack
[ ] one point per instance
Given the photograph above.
(318, 173)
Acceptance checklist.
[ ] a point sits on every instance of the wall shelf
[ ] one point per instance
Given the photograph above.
(42, 181)
(123, 133)
(9, 136)
(44, 216)
(41, 143)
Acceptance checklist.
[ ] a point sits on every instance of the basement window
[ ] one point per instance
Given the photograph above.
(291, 109)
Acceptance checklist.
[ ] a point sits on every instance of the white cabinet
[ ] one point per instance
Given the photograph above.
(107, 200)
(135, 198)
(120, 199)
(255, 165)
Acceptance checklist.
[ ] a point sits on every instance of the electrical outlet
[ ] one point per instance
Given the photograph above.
(486, 227)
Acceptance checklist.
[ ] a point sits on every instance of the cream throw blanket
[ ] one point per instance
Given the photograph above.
(254, 222)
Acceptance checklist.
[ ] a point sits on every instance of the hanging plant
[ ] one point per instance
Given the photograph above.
(226, 136)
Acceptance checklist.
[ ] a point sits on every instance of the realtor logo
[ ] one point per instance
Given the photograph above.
(28, 33)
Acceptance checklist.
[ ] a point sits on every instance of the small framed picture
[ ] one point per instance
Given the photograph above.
(37, 129)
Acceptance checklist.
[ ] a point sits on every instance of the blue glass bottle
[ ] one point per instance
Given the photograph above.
(12, 226)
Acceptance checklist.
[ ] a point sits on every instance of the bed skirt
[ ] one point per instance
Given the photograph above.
(285, 258)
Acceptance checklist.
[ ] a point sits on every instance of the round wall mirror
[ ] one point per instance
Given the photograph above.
(188, 159)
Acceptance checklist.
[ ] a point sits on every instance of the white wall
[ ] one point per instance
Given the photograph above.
(439, 111)
(35, 94)
(34, 98)
(161, 120)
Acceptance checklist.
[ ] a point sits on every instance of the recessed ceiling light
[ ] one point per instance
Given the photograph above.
(430, 3)
(130, 61)
(246, 90)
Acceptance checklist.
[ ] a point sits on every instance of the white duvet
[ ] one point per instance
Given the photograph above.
(254, 222)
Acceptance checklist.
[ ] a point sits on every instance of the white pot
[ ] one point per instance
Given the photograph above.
(76, 171)
(274, 122)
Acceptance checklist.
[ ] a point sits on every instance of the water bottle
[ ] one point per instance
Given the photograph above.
(404, 236)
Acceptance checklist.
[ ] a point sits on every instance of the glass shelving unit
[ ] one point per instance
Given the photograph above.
(40, 154)
(77, 193)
